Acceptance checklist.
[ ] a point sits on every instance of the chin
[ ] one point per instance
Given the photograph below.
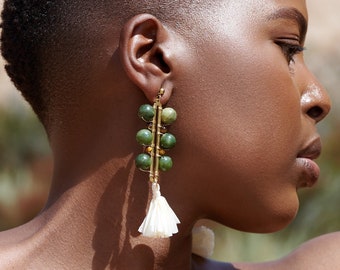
(276, 218)
(276, 223)
(272, 218)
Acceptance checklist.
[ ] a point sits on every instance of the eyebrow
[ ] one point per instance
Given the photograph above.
(291, 14)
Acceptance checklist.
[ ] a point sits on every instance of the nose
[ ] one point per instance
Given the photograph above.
(315, 102)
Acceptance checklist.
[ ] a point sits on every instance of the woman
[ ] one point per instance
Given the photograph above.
(246, 130)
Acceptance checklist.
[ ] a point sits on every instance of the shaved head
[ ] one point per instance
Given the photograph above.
(48, 44)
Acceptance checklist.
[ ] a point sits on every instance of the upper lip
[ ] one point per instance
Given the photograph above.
(312, 150)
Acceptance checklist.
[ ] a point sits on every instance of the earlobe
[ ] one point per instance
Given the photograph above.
(143, 53)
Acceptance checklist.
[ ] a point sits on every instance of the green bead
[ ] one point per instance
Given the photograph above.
(169, 116)
(165, 163)
(146, 112)
(144, 137)
(168, 141)
(143, 161)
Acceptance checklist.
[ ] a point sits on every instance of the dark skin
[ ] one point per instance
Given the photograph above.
(248, 108)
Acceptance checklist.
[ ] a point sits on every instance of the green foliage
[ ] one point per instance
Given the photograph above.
(22, 144)
(21, 139)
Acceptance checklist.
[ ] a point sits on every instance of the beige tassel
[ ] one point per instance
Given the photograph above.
(160, 221)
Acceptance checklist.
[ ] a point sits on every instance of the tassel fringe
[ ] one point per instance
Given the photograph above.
(160, 221)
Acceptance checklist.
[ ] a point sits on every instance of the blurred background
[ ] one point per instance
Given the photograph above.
(26, 164)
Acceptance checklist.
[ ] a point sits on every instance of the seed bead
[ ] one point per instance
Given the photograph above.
(148, 150)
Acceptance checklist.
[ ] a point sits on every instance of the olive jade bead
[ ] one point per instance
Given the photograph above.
(146, 112)
(169, 116)
(168, 141)
(165, 163)
(143, 161)
(144, 137)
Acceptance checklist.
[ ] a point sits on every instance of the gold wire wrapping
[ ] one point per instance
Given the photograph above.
(156, 137)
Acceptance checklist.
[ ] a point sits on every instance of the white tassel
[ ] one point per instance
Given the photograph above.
(160, 221)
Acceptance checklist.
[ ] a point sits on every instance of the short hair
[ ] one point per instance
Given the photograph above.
(30, 27)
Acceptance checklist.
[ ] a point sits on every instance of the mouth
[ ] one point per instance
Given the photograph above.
(305, 161)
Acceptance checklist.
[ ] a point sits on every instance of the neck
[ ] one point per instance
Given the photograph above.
(96, 220)
(98, 199)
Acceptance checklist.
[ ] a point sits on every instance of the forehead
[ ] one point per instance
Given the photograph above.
(254, 9)
(234, 16)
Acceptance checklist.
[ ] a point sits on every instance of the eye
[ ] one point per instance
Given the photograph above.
(290, 48)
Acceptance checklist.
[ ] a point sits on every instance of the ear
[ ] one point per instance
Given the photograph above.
(145, 54)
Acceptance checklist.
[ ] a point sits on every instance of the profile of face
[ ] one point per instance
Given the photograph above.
(248, 108)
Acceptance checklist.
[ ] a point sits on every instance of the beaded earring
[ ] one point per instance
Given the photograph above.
(160, 220)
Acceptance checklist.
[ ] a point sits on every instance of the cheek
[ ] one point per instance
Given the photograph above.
(246, 105)
(242, 127)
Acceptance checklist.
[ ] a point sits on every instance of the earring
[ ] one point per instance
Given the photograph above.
(160, 220)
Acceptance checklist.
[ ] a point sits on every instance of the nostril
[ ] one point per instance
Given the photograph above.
(315, 113)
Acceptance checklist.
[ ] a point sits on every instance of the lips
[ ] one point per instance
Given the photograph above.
(305, 161)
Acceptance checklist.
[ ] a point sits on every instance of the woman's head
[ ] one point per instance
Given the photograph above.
(233, 70)
(251, 111)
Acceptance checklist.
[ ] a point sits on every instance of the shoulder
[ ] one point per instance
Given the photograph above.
(319, 253)
(14, 250)
(10, 257)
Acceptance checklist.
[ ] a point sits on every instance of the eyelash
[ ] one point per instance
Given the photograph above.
(289, 50)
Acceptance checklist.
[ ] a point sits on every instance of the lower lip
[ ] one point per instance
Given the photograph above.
(311, 172)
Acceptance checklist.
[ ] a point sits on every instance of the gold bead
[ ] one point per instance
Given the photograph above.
(164, 129)
(161, 91)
